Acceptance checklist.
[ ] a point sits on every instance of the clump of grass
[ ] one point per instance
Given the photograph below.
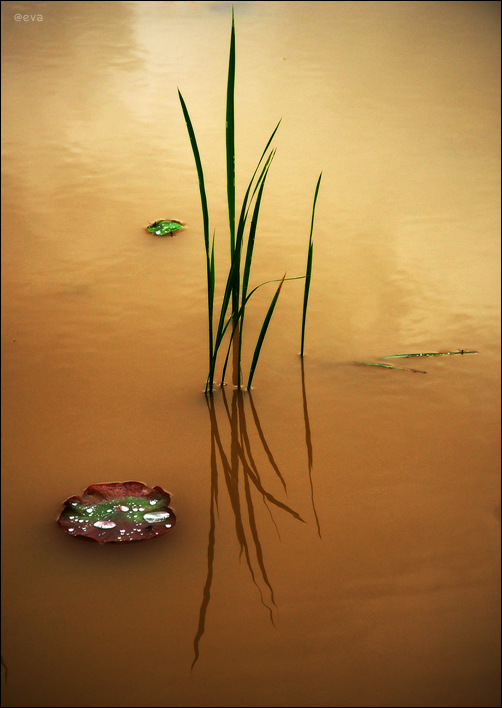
(236, 293)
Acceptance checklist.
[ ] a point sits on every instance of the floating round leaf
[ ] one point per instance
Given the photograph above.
(165, 227)
(118, 512)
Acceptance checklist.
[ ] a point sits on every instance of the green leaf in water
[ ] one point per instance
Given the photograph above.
(409, 356)
(388, 366)
(165, 227)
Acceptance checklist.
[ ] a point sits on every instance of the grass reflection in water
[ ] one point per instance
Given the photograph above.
(234, 468)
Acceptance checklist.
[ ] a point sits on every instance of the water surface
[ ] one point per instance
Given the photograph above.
(386, 590)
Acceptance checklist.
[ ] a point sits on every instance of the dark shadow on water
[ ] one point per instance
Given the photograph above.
(234, 468)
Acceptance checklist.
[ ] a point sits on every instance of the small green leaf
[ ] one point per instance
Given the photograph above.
(163, 227)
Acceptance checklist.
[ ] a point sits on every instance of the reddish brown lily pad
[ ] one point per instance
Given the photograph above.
(118, 512)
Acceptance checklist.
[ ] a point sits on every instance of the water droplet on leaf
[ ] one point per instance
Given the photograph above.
(154, 516)
(105, 524)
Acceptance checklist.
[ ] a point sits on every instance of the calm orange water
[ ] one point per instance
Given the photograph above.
(386, 592)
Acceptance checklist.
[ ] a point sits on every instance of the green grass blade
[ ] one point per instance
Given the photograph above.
(236, 319)
(235, 248)
(245, 207)
(308, 275)
(236, 239)
(308, 272)
(220, 332)
(409, 356)
(253, 227)
(259, 163)
(230, 137)
(249, 251)
(233, 276)
(200, 171)
(250, 248)
(210, 276)
(263, 332)
(234, 316)
(227, 356)
(388, 366)
(211, 287)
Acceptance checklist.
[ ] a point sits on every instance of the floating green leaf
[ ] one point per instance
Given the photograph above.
(165, 227)
(409, 356)
(388, 366)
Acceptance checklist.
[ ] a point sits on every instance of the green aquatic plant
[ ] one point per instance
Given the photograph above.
(308, 272)
(388, 366)
(165, 227)
(383, 365)
(409, 356)
(236, 292)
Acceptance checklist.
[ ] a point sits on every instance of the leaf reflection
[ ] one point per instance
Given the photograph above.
(236, 467)
(308, 442)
